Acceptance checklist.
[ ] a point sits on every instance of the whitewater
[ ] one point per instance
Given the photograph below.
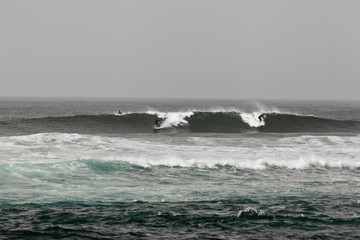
(75, 169)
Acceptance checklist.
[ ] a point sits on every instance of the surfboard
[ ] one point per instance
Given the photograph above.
(157, 128)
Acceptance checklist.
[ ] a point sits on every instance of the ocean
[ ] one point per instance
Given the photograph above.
(77, 169)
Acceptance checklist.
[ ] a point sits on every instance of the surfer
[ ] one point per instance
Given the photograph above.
(261, 117)
(157, 123)
(119, 112)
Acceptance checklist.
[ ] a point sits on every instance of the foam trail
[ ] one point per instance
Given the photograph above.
(172, 119)
(252, 119)
(122, 113)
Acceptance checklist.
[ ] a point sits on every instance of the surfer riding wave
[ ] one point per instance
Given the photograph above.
(261, 117)
(157, 123)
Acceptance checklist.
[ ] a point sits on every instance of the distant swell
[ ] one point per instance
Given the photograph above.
(198, 122)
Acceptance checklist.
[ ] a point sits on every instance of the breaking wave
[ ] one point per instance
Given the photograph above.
(188, 121)
(298, 152)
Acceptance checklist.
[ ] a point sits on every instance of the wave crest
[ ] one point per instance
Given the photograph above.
(187, 121)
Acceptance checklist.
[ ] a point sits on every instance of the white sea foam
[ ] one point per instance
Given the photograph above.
(250, 211)
(172, 119)
(53, 167)
(252, 119)
(253, 153)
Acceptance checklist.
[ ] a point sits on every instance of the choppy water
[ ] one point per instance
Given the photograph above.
(77, 169)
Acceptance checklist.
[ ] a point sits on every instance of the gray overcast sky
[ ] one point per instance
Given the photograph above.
(307, 49)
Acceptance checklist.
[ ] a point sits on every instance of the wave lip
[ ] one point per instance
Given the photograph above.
(187, 121)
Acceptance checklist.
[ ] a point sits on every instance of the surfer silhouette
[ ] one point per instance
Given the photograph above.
(261, 117)
(157, 123)
(119, 112)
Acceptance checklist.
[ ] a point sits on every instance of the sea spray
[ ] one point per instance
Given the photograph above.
(172, 119)
(253, 119)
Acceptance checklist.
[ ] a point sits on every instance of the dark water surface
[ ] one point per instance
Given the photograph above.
(75, 169)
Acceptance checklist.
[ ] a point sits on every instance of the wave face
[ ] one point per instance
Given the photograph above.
(191, 121)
